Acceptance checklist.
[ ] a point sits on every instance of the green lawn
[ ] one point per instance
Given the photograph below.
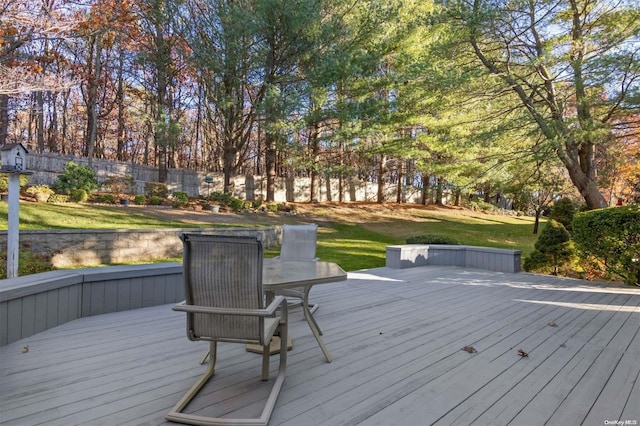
(355, 239)
(82, 216)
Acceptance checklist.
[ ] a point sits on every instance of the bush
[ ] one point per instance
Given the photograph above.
(119, 184)
(76, 177)
(553, 248)
(563, 211)
(255, 204)
(236, 204)
(4, 181)
(223, 199)
(104, 199)
(180, 199)
(612, 237)
(156, 189)
(482, 206)
(432, 239)
(58, 198)
(39, 189)
(140, 200)
(79, 196)
(273, 208)
(538, 262)
(154, 200)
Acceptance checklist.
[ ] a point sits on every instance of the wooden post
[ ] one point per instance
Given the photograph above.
(13, 238)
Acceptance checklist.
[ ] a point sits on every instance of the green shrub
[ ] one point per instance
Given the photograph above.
(223, 199)
(58, 198)
(156, 189)
(432, 239)
(75, 177)
(236, 204)
(79, 196)
(39, 189)
(120, 184)
(273, 208)
(154, 200)
(255, 204)
(563, 211)
(4, 181)
(612, 237)
(180, 199)
(140, 200)
(536, 261)
(483, 206)
(104, 199)
(553, 248)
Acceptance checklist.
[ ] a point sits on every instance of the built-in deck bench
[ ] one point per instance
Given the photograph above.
(492, 259)
(34, 303)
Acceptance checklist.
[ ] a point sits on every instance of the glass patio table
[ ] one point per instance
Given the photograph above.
(280, 274)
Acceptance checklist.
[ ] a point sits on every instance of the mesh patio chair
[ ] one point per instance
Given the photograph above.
(298, 243)
(224, 302)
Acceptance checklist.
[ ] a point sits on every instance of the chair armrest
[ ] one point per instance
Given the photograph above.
(269, 311)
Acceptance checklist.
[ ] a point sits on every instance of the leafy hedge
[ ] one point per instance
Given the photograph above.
(553, 249)
(611, 237)
(432, 239)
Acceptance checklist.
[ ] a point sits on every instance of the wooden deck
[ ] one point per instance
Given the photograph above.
(396, 337)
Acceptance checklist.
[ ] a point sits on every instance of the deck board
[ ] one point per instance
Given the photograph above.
(396, 337)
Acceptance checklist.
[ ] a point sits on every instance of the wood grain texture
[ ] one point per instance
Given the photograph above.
(396, 337)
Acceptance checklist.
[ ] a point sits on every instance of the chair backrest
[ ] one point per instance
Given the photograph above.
(223, 271)
(299, 242)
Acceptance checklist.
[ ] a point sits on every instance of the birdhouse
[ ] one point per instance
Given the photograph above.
(14, 157)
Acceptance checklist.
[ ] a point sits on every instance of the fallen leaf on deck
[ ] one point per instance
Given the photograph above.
(553, 324)
(522, 353)
(469, 349)
(25, 349)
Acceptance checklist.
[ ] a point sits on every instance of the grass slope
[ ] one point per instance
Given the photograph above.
(354, 235)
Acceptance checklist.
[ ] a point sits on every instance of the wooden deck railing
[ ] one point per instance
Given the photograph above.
(34, 303)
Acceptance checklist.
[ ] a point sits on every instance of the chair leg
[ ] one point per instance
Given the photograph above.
(176, 415)
(265, 361)
(204, 358)
(186, 399)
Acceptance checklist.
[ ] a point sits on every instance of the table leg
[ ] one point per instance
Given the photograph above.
(313, 325)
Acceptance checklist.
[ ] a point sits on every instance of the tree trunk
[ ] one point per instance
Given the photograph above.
(314, 146)
(581, 174)
(52, 139)
(63, 137)
(270, 162)
(382, 171)
(439, 191)
(121, 131)
(536, 224)
(92, 97)
(4, 118)
(340, 174)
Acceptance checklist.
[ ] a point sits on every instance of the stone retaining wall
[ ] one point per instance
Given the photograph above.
(79, 247)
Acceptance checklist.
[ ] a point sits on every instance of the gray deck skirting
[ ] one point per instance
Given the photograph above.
(491, 259)
(34, 303)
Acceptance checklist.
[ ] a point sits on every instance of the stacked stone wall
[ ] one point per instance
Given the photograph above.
(77, 247)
